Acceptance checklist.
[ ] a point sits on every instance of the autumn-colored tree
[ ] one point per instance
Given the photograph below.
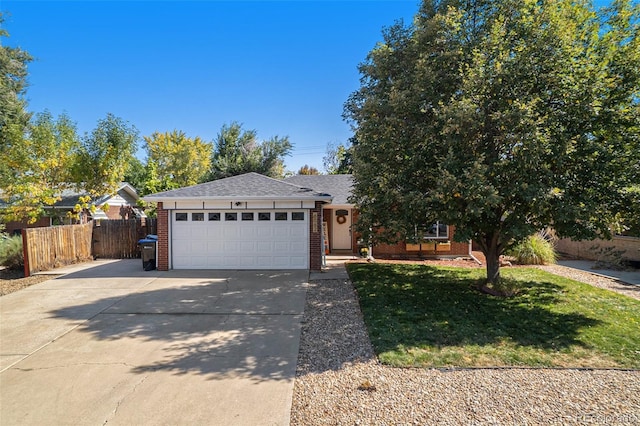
(308, 170)
(46, 158)
(182, 160)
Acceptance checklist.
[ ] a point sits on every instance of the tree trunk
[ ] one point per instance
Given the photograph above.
(491, 251)
(493, 266)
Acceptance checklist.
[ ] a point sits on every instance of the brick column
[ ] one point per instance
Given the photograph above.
(315, 237)
(163, 238)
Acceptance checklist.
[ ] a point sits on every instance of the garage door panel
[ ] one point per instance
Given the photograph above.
(248, 244)
(297, 231)
(231, 246)
(214, 232)
(298, 246)
(264, 232)
(248, 247)
(248, 232)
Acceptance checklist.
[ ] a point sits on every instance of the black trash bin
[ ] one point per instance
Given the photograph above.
(148, 252)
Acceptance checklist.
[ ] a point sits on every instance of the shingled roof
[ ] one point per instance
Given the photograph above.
(250, 185)
(339, 186)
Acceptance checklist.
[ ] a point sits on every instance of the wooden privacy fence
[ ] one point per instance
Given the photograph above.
(48, 248)
(52, 247)
(118, 239)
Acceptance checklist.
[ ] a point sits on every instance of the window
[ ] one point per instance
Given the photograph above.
(281, 215)
(181, 217)
(297, 216)
(214, 216)
(230, 216)
(197, 217)
(438, 230)
(264, 216)
(247, 216)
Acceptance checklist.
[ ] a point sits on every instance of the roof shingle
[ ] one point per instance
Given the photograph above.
(249, 185)
(339, 186)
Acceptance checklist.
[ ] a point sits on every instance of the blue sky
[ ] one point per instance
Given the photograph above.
(280, 67)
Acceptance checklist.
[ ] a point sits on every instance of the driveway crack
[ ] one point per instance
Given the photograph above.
(133, 390)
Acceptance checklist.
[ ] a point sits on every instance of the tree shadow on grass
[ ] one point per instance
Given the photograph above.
(439, 307)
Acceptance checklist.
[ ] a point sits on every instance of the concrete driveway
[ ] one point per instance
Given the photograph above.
(115, 345)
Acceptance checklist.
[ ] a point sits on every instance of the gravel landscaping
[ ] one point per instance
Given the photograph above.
(11, 280)
(340, 382)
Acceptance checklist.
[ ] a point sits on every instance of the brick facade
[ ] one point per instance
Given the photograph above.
(14, 228)
(402, 250)
(163, 238)
(315, 237)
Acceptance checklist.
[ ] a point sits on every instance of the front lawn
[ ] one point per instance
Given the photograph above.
(430, 316)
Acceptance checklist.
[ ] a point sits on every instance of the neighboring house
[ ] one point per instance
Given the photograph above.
(122, 205)
(340, 216)
(252, 221)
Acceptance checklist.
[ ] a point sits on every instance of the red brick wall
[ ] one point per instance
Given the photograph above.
(119, 212)
(315, 238)
(399, 251)
(12, 227)
(163, 238)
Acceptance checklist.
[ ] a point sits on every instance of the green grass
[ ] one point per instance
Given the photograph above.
(428, 316)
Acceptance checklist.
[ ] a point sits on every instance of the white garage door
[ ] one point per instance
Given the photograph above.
(240, 239)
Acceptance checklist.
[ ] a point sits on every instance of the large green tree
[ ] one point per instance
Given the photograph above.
(104, 156)
(237, 151)
(184, 161)
(501, 118)
(14, 117)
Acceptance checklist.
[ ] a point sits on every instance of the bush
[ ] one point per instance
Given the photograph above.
(535, 250)
(11, 254)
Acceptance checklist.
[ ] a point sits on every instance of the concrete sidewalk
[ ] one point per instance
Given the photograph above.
(629, 277)
(114, 344)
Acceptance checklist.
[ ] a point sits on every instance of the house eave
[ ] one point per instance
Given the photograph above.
(326, 200)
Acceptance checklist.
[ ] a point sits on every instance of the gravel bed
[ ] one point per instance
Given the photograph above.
(340, 382)
(11, 281)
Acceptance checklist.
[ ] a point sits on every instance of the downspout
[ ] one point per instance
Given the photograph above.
(471, 253)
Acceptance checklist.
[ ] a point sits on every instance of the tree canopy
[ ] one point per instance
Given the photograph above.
(500, 118)
(237, 151)
(182, 160)
(41, 167)
(337, 159)
(104, 155)
(308, 170)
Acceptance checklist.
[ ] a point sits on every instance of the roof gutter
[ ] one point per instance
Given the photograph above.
(153, 199)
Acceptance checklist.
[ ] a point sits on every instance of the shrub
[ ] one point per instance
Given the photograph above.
(535, 250)
(11, 254)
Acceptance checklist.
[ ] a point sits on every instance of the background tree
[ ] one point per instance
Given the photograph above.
(308, 170)
(42, 168)
(13, 84)
(184, 161)
(104, 156)
(13, 115)
(337, 160)
(237, 151)
(500, 118)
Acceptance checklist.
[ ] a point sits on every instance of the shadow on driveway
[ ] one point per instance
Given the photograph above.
(136, 347)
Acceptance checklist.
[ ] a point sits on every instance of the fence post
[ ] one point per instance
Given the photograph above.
(25, 253)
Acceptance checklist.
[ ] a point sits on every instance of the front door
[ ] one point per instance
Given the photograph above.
(341, 231)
